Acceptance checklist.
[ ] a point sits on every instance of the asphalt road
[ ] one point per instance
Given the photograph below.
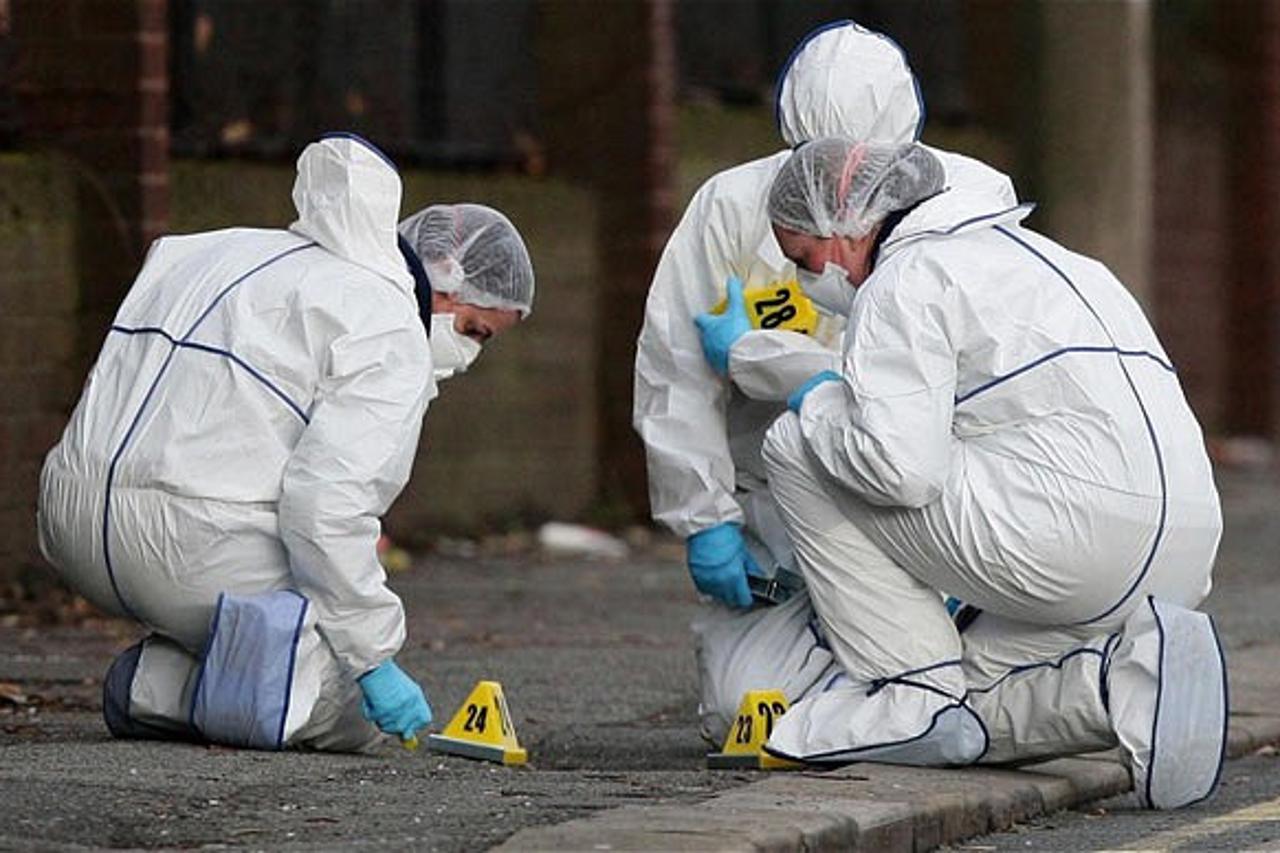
(597, 665)
(594, 658)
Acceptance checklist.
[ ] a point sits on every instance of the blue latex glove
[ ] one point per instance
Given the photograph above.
(797, 396)
(393, 701)
(719, 331)
(719, 562)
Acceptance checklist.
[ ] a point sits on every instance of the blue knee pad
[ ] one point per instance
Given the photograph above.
(245, 683)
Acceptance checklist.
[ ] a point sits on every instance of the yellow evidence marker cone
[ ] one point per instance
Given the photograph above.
(482, 728)
(744, 745)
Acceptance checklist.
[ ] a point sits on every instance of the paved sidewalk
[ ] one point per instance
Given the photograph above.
(884, 808)
(875, 807)
(597, 665)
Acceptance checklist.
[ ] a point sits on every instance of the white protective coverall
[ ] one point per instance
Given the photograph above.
(702, 436)
(255, 408)
(1008, 429)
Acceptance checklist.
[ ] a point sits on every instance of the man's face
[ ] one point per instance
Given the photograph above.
(479, 324)
(852, 254)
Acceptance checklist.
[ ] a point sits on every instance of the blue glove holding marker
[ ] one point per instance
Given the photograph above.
(719, 562)
(393, 701)
(797, 396)
(719, 331)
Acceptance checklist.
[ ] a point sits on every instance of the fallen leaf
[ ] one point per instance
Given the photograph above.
(12, 694)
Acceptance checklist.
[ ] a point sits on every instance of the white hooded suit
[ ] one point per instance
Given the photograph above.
(255, 408)
(702, 435)
(1007, 429)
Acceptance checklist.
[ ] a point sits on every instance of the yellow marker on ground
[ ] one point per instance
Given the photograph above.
(482, 728)
(778, 305)
(744, 746)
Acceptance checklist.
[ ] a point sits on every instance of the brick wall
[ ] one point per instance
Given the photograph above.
(515, 439)
(38, 327)
(91, 80)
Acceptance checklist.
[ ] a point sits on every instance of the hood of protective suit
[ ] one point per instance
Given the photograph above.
(348, 198)
(845, 80)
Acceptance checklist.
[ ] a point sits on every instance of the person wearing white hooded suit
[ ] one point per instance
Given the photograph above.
(1005, 426)
(702, 436)
(255, 409)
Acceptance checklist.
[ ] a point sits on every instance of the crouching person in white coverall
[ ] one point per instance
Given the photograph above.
(255, 408)
(1005, 427)
(702, 435)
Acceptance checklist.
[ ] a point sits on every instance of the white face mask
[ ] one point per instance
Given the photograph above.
(830, 289)
(451, 352)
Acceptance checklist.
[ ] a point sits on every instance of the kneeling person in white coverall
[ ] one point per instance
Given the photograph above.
(702, 435)
(1005, 427)
(255, 408)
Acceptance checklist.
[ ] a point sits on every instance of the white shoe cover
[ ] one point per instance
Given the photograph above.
(1168, 703)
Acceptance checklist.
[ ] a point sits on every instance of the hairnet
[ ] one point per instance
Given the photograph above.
(474, 253)
(839, 187)
(845, 80)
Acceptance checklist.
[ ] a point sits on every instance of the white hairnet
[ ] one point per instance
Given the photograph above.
(839, 187)
(845, 80)
(474, 253)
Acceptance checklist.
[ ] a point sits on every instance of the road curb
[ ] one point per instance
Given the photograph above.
(864, 806)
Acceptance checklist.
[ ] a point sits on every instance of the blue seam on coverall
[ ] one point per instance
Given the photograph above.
(254, 372)
(1222, 754)
(137, 417)
(986, 386)
(1226, 707)
(1029, 667)
(878, 684)
(854, 751)
(204, 655)
(1155, 717)
(947, 232)
(355, 137)
(293, 660)
(1142, 407)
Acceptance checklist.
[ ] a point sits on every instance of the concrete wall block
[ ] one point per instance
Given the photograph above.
(121, 153)
(10, 426)
(34, 290)
(36, 340)
(35, 189)
(19, 542)
(21, 483)
(40, 388)
(40, 433)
